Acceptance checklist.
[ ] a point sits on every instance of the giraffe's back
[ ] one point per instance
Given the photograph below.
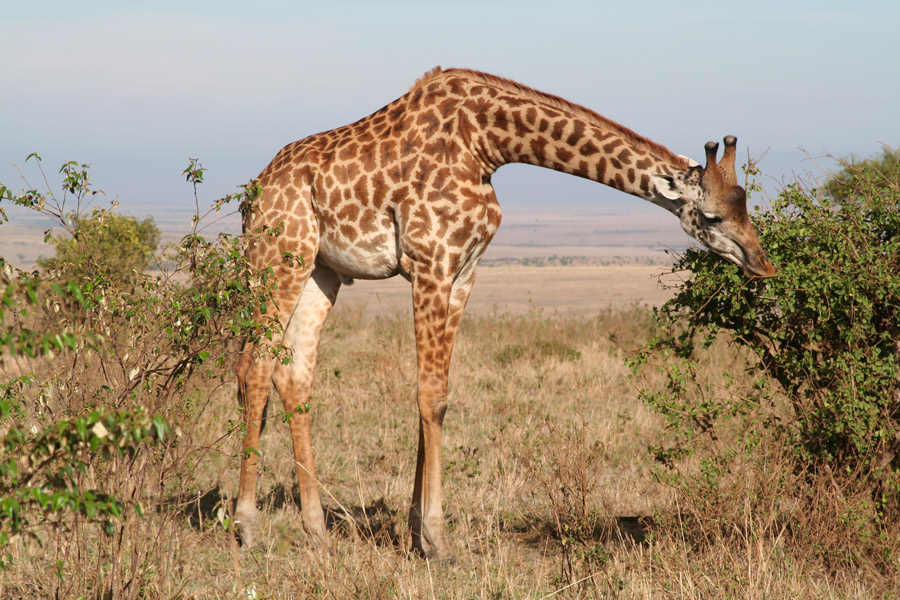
(386, 186)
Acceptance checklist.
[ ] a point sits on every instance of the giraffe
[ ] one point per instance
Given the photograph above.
(407, 190)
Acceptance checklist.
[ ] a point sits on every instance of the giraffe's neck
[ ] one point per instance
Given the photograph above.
(506, 123)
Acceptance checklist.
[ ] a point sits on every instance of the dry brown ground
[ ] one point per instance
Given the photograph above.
(547, 479)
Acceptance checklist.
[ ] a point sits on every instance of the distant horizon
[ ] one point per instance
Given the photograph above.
(588, 234)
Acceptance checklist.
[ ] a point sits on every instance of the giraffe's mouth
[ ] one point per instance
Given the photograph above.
(758, 265)
(755, 264)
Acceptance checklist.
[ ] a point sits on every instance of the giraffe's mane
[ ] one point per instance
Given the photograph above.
(562, 104)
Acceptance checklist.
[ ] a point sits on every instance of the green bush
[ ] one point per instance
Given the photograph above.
(105, 243)
(97, 358)
(823, 337)
(861, 176)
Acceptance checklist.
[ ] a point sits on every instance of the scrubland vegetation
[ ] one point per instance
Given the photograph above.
(741, 442)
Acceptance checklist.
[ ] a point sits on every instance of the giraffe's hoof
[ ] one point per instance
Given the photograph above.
(322, 543)
(442, 558)
(326, 546)
(317, 533)
(250, 544)
(436, 553)
(248, 533)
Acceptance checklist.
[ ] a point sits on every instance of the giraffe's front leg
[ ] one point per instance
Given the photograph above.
(426, 517)
(437, 319)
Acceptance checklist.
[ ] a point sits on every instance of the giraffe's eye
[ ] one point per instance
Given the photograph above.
(712, 219)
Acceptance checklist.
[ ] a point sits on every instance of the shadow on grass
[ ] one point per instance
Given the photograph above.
(376, 522)
(200, 509)
(613, 530)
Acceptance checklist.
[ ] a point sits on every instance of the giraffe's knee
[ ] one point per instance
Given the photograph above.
(433, 404)
(286, 383)
(254, 380)
(294, 384)
(252, 374)
(438, 410)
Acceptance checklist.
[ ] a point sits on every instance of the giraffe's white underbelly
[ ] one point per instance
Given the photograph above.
(375, 258)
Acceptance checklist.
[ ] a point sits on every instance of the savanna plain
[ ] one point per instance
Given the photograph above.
(550, 487)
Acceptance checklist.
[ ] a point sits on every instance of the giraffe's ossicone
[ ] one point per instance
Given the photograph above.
(407, 191)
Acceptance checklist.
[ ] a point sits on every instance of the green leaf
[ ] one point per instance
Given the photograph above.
(160, 427)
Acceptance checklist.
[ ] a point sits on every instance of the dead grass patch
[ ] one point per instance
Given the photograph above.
(549, 487)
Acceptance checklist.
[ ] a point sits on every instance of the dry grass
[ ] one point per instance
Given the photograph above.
(547, 480)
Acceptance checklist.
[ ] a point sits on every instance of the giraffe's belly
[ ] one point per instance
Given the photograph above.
(376, 257)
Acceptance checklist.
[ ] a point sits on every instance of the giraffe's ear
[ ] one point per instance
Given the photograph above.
(666, 187)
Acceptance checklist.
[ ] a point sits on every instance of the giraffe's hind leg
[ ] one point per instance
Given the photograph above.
(294, 384)
(254, 380)
(255, 367)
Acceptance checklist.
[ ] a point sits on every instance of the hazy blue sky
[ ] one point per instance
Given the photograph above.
(135, 88)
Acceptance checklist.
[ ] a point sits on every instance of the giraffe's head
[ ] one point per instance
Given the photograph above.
(712, 209)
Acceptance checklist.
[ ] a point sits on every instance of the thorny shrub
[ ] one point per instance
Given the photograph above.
(104, 369)
(822, 342)
(566, 470)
